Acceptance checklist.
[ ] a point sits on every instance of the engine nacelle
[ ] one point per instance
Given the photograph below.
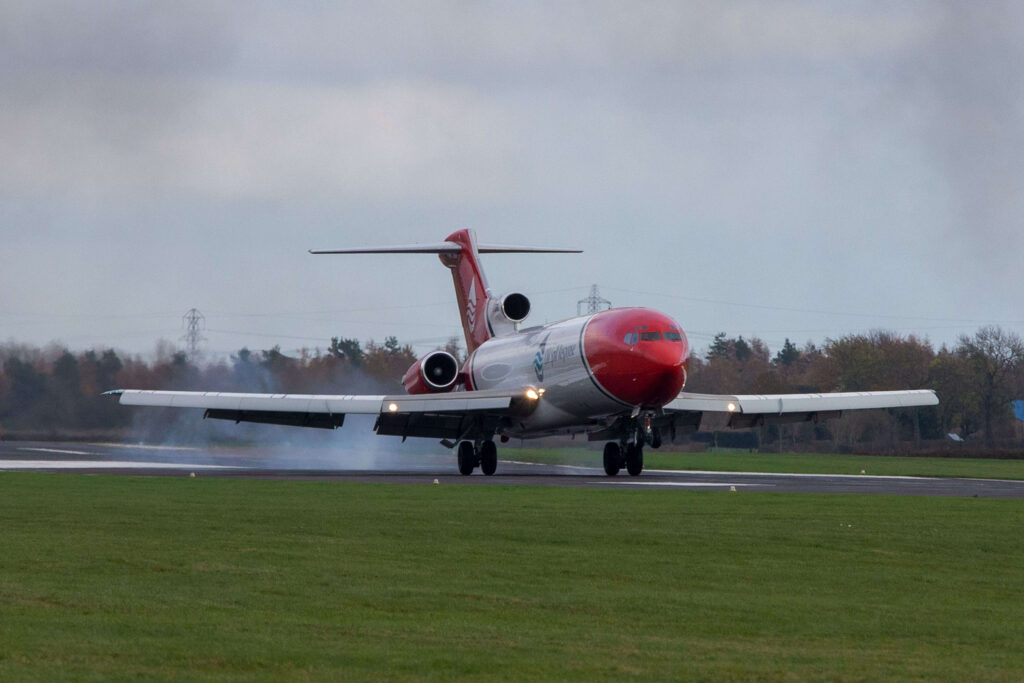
(505, 313)
(434, 373)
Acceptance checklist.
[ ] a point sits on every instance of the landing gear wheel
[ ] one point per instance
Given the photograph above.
(634, 459)
(612, 458)
(488, 457)
(467, 458)
(656, 439)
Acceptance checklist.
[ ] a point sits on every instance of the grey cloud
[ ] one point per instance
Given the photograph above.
(563, 41)
(960, 92)
(120, 37)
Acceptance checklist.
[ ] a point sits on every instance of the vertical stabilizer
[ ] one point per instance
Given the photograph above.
(470, 287)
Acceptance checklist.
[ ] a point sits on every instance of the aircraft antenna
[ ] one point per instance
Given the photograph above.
(594, 302)
(194, 323)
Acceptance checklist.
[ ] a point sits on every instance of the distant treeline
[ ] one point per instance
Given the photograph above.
(52, 391)
(976, 380)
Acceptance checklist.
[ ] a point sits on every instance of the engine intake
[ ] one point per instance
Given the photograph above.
(515, 307)
(434, 373)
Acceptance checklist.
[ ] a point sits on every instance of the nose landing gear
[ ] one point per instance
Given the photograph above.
(485, 455)
(648, 433)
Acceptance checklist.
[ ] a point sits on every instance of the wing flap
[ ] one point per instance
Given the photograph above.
(316, 420)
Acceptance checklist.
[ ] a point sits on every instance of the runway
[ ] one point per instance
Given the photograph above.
(298, 463)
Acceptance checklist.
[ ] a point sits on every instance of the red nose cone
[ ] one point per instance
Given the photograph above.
(637, 356)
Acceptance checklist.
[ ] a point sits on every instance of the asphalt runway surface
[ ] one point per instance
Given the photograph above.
(319, 464)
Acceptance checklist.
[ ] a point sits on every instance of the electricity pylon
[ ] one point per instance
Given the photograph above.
(594, 302)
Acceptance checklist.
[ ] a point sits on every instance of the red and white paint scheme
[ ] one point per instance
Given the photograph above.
(616, 376)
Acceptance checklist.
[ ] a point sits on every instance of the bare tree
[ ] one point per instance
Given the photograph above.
(994, 356)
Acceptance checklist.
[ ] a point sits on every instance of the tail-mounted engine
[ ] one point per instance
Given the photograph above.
(504, 314)
(434, 373)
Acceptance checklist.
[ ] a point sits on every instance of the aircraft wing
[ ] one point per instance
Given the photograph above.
(454, 415)
(751, 410)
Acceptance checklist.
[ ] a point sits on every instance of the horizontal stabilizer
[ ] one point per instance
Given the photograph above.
(510, 249)
(429, 248)
(446, 248)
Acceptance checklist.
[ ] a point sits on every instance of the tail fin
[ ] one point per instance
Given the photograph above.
(460, 253)
(470, 287)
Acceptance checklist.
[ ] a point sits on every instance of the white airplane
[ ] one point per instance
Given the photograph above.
(615, 376)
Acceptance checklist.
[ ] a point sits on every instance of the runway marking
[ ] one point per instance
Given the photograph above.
(804, 475)
(795, 475)
(544, 464)
(147, 447)
(61, 451)
(103, 465)
(690, 484)
(801, 475)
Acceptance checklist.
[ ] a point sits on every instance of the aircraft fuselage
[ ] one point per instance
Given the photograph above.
(587, 368)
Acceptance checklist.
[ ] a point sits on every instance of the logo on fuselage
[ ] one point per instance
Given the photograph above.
(557, 354)
(538, 360)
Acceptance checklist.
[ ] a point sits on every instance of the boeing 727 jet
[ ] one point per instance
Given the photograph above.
(616, 376)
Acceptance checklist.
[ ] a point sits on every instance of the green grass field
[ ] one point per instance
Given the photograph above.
(153, 578)
(812, 463)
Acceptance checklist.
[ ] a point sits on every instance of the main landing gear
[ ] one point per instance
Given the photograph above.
(630, 454)
(616, 457)
(485, 455)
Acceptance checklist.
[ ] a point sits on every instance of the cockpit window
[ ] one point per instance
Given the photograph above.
(673, 336)
(650, 336)
(631, 338)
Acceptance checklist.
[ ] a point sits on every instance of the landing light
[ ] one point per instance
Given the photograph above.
(393, 407)
(532, 394)
(731, 407)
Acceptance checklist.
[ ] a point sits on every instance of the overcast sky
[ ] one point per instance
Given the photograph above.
(789, 169)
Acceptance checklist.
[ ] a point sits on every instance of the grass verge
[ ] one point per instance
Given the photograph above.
(107, 578)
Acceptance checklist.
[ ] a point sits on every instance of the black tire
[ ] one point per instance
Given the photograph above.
(488, 458)
(656, 439)
(467, 458)
(612, 458)
(634, 459)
